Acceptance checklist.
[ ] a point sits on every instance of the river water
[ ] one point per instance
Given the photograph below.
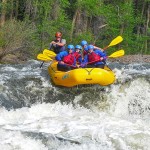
(36, 115)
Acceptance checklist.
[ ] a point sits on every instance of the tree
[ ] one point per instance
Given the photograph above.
(3, 12)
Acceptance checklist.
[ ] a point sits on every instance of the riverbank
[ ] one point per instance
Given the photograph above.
(12, 59)
(132, 59)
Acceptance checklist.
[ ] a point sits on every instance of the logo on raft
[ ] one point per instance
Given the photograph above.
(65, 76)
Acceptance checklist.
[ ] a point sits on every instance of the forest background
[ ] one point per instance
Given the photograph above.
(28, 26)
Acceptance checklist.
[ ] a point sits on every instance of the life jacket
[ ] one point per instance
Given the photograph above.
(69, 59)
(77, 55)
(93, 57)
(84, 52)
(58, 49)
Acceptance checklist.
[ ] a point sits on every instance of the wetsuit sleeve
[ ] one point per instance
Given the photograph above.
(80, 59)
(74, 64)
(84, 61)
(102, 54)
(60, 56)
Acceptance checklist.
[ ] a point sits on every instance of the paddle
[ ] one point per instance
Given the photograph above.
(46, 51)
(49, 53)
(115, 41)
(44, 57)
(116, 54)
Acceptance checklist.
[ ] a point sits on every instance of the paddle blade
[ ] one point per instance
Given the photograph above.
(43, 57)
(119, 53)
(49, 53)
(116, 41)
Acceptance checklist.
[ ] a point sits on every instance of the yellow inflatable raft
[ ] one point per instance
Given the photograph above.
(80, 76)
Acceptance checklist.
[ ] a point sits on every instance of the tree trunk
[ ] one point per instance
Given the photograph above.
(16, 9)
(11, 9)
(28, 8)
(35, 10)
(3, 12)
(147, 26)
(73, 23)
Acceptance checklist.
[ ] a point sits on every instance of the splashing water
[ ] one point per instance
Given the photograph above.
(35, 114)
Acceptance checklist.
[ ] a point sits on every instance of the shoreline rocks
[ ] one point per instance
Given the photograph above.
(131, 59)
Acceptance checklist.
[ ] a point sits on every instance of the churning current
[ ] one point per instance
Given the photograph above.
(37, 115)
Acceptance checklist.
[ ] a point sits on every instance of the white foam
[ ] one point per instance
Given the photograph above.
(123, 124)
(15, 140)
(79, 124)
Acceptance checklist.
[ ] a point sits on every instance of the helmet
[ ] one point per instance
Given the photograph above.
(58, 34)
(90, 47)
(84, 43)
(78, 47)
(70, 47)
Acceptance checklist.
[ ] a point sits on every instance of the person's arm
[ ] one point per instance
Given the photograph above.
(74, 64)
(84, 61)
(59, 57)
(62, 43)
(80, 60)
(102, 54)
(95, 47)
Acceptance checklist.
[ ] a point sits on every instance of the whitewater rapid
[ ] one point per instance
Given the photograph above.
(36, 115)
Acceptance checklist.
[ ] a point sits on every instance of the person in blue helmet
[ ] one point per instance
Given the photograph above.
(58, 45)
(77, 54)
(66, 59)
(94, 58)
(84, 45)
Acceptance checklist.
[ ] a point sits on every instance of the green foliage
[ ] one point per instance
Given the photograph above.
(83, 36)
(16, 34)
(92, 7)
(124, 18)
(120, 18)
(50, 17)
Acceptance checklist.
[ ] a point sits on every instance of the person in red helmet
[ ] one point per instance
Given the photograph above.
(58, 45)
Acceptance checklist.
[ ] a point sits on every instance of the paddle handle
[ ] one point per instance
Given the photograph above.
(105, 48)
(69, 65)
(43, 61)
(41, 64)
